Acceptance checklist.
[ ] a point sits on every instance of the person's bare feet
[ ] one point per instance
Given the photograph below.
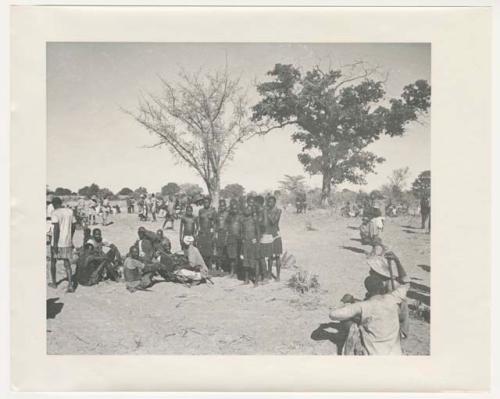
(52, 285)
(70, 289)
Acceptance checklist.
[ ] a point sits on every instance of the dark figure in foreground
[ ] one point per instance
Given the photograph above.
(374, 324)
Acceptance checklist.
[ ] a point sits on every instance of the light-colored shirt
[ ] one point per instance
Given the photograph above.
(379, 321)
(50, 209)
(195, 259)
(65, 218)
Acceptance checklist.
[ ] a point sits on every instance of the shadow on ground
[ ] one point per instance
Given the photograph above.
(53, 307)
(354, 249)
(338, 337)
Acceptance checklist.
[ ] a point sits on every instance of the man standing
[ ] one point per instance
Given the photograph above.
(206, 224)
(233, 223)
(220, 245)
(250, 246)
(64, 224)
(188, 226)
(153, 207)
(271, 243)
(425, 211)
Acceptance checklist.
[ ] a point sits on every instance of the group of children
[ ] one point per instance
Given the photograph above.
(243, 237)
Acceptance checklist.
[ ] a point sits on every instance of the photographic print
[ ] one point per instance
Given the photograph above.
(238, 198)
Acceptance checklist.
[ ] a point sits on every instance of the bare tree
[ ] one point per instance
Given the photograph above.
(201, 119)
(399, 178)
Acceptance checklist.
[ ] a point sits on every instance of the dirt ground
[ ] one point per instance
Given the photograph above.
(229, 317)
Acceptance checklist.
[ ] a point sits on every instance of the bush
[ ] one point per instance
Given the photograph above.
(304, 281)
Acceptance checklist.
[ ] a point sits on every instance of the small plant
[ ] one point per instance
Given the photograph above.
(304, 281)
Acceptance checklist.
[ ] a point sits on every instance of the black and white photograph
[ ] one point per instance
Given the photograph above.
(238, 198)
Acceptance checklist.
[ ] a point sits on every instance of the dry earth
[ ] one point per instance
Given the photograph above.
(228, 317)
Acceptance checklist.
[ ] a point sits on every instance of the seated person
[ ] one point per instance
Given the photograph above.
(196, 271)
(163, 244)
(138, 275)
(377, 318)
(92, 266)
(380, 263)
(108, 249)
(145, 244)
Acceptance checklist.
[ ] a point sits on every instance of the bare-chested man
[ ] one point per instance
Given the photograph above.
(189, 226)
(220, 245)
(250, 245)
(207, 217)
(271, 243)
(233, 226)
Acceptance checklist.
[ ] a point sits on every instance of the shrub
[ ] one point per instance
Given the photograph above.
(304, 281)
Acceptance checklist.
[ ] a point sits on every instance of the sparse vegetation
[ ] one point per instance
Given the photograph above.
(304, 281)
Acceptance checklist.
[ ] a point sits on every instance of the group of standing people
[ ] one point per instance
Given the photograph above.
(241, 239)
(150, 207)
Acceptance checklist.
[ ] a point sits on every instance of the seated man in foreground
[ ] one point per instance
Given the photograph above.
(138, 275)
(92, 266)
(376, 318)
(110, 251)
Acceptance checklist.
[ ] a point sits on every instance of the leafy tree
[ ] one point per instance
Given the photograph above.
(125, 191)
(191, 190)
(293, 184)
(170, 189)
(141, 191)
(234, 190)
(201, 119)
(62, 191)
(105, 193)
(89, 191)
(335, 115)
(421, 187)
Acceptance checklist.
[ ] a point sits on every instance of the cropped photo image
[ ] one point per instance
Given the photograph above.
(238, 198)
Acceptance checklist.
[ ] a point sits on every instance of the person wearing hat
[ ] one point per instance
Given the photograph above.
(196, 261)
(378, 316)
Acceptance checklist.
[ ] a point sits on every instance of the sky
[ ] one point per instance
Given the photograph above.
(91, 140)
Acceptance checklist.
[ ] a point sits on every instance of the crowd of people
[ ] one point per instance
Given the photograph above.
(241, 240)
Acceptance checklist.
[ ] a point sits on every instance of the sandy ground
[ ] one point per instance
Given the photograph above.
(228, 317)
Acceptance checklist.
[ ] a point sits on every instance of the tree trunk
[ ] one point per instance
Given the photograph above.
(326, 188)
(213, 187)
